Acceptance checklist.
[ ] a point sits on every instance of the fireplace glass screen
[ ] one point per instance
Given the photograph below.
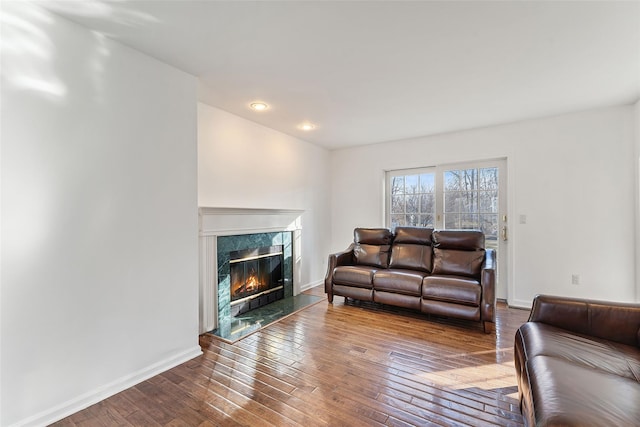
(255, 271)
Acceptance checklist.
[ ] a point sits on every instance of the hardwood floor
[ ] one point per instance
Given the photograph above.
(346, 364)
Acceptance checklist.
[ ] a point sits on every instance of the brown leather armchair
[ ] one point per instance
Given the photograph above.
(578, 363)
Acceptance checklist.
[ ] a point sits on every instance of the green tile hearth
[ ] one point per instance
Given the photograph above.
(234, 328)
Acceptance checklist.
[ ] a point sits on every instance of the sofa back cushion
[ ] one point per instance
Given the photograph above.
(372, 246)
(411, 249)
(458, 252)
(614, 321)
(464, 240)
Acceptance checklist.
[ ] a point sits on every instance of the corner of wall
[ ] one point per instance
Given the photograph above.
(637, 180)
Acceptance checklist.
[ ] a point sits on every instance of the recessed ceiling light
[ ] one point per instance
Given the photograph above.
(259, 106)
(307, 126)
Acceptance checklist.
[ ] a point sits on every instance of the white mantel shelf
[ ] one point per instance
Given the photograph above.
(224, 221)
(229, 221)
(248, 211)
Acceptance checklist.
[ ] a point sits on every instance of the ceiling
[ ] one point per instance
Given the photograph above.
(371, 71)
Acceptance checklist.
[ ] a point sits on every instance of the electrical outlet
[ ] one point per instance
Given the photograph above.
(575, 279)
(523, 219)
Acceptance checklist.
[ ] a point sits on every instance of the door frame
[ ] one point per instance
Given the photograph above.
(504, 287)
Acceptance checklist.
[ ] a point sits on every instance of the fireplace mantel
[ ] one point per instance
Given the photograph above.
(229, 221)
(222, 221)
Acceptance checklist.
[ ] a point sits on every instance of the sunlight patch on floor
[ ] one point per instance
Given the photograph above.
(485, 377)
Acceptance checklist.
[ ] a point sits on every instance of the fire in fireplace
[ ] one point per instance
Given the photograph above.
(256, 277)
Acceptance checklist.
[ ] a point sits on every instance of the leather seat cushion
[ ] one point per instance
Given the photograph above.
(459, 290)
(358, 276)
(405, 282)
(568, 394)
(602, 355)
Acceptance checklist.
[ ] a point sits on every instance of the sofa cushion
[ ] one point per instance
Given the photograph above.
(399, 281)
(618, 322)
(372, 246)
(466, 240)
(413, 235)
(541, 339)
(372, 236)
(448, 309)
(458, 262)
(411, 249)
(563, 393)
(353, 275)
(372, 255)
(362, 294)
(459, 290)
(399, 300)
(412, 257)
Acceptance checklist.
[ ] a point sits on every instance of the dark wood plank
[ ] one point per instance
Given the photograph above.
(340, 364)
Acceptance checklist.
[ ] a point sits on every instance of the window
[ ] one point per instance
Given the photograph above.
(411, 200)
(471, 201)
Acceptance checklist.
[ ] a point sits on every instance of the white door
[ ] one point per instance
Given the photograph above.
(460, 196)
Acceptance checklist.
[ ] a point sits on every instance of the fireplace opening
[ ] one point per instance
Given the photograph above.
(257, 277)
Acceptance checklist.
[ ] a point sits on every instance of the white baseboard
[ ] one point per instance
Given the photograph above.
(521, 304)
(85, 400)
(311, 285)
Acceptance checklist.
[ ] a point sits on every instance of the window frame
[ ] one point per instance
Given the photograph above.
(389, 175)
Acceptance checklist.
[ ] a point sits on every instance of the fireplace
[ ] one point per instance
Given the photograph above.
(225, 230)
(256, 277)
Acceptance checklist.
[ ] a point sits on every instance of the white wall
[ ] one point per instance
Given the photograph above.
(637, 159)
(242, 164)
(572, 175)
(99, 217)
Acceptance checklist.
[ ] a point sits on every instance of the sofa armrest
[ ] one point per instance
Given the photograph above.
(488, 283)
(614, 321)
(340, 258)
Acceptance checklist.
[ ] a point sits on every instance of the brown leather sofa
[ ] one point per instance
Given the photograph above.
(444, 273)
(578, 363)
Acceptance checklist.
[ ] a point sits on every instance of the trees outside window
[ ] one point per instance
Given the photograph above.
(412, 200)
(471, 200)
(445, 197)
